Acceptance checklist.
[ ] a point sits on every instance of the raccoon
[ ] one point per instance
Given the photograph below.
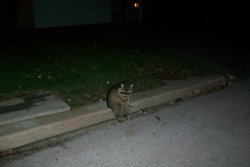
(118, 99)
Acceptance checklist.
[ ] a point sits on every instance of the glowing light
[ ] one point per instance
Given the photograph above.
(136, 5)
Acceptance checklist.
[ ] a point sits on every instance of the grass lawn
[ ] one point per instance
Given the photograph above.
(82, 71)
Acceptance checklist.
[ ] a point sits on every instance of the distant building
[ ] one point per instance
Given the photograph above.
(54, 13)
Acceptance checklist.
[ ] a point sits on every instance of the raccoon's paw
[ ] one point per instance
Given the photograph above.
(121, 119)
(130, 105)
(129, 118)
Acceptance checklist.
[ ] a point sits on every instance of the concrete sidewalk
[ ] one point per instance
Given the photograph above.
(21, 133)
(20, 109)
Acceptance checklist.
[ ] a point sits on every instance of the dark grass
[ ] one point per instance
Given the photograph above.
(82, 71)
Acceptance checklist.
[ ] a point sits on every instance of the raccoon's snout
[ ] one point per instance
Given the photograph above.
(124, 95)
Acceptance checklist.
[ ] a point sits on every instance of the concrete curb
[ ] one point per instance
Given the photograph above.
(22, 133)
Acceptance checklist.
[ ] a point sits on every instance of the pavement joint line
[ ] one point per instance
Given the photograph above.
(19, 134)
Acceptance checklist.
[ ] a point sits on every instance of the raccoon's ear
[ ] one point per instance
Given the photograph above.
(131, 86)
(122, 85)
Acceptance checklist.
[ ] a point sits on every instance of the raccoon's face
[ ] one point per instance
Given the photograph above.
(125, 90)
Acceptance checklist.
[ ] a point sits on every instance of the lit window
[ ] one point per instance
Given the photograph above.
(136, 5)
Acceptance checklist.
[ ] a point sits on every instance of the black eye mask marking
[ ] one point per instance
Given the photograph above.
(125, 93)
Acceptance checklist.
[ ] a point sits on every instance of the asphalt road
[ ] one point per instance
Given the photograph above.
(207, 131)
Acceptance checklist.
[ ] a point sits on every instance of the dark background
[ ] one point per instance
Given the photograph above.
(217, 20)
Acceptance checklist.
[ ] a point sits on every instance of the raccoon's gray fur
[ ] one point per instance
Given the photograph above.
(118, 99)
